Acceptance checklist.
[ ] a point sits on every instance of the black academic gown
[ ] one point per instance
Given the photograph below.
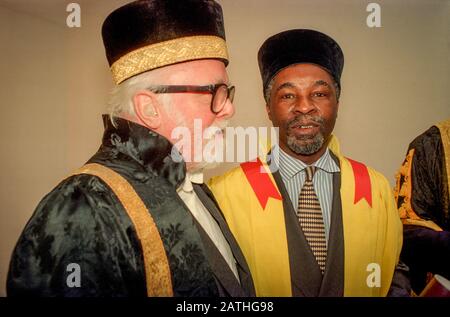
(81, 221)
(424, 249)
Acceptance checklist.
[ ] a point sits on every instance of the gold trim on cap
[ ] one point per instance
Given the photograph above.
(167, 53)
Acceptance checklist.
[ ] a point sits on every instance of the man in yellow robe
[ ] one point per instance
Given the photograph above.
(351, 245)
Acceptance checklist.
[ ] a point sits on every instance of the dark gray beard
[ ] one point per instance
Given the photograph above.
(305, 145)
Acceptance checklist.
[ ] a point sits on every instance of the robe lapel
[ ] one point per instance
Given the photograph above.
(226, 282)
(226, 276)
(306, 277)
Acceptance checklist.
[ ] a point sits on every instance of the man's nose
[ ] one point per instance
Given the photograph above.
(304, 105)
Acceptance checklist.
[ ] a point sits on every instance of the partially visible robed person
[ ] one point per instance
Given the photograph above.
(137, 220)
(423, 199)
(310, 221)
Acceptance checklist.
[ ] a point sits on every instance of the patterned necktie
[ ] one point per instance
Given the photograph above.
(311, 221)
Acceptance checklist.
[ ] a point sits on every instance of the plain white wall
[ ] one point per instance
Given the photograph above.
(396, 78)
(33, 106)
(55, 80)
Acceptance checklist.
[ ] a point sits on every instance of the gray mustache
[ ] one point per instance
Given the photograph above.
(305, 119)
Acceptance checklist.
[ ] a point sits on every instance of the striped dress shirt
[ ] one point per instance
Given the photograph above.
(292, 173)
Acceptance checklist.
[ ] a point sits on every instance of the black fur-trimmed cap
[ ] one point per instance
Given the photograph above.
(296, 47)
(147, 34)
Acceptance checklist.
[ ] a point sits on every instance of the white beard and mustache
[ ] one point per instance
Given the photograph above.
(213, 148)
(204, 150)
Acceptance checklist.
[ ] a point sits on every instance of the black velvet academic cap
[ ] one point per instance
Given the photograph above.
(296, 47)
(147, 34)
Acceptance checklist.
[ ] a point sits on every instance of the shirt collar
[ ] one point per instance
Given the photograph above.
(290, 166)
(191, 178)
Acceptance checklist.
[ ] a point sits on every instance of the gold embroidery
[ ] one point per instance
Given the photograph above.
(404, 190)
(157, 269)
(444, 129)
(167, 53)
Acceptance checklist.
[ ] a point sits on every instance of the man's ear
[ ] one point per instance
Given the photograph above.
(147, 109)
(268, 111)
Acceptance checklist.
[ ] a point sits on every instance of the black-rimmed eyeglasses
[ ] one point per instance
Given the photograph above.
(220, 93)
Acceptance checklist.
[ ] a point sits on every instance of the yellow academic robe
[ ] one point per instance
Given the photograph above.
(252, 204)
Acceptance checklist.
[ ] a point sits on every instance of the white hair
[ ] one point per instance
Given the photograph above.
(121, 97)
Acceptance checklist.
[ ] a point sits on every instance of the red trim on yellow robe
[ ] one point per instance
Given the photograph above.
(372, 231)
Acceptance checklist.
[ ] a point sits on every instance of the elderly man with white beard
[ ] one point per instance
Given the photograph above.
(137, 220)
